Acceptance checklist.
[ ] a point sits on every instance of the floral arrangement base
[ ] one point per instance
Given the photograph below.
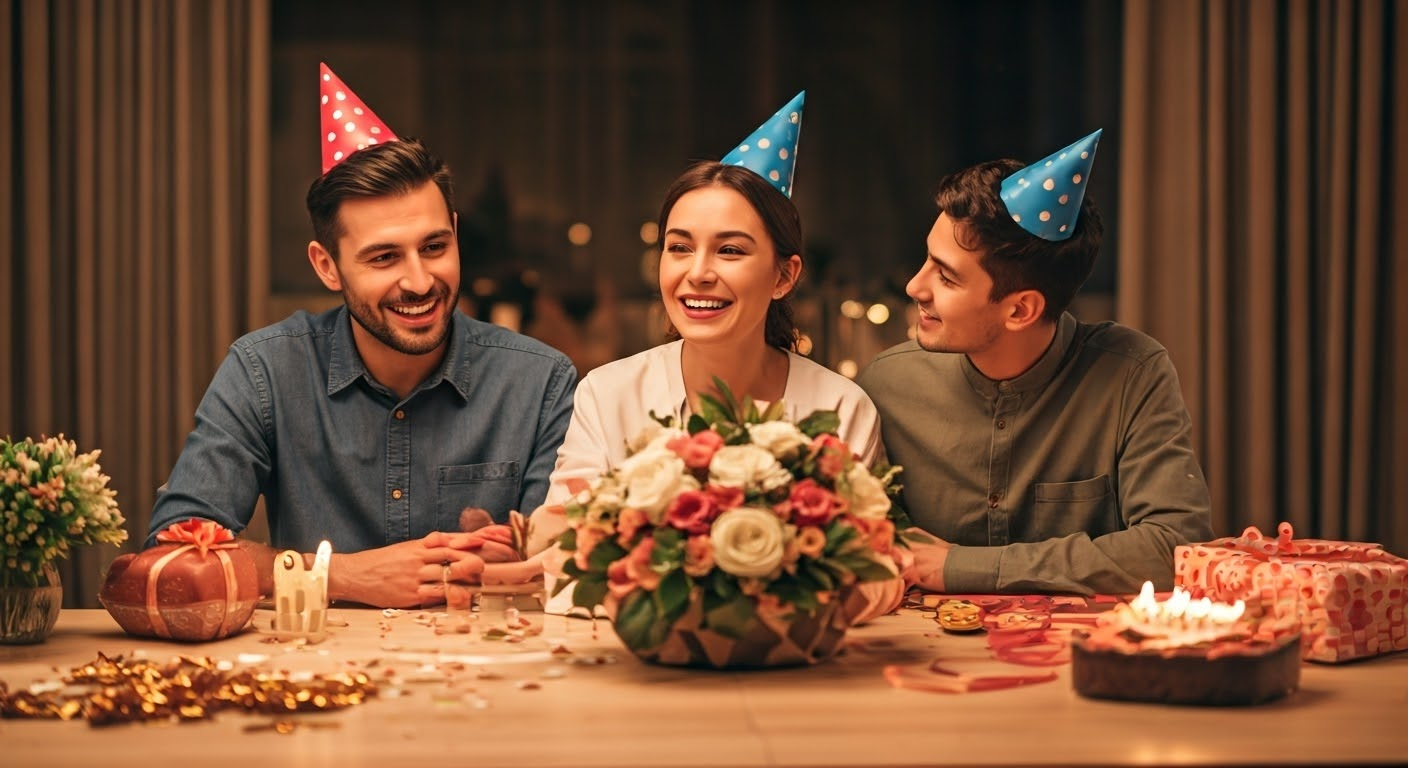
(28, 613)
(770, 638)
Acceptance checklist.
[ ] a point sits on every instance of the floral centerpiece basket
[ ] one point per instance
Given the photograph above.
(735, 542)
(51, 498)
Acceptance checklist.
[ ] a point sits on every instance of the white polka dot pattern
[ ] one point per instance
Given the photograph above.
(781, 131)
(1044, 198)
(346, 136)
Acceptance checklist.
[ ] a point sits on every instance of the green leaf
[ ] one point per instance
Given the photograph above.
(697, 424)
(673, 596)
(838, 535)
(774, 411)
(568, 540)
(606, 552)
(723, 585)
(817, 574)
(864, 568)
(750, 411)
(635, 621)
(820, 423)
(715, 412)
(667, 421)
(729, 399)
(590, 591)
(732, 618)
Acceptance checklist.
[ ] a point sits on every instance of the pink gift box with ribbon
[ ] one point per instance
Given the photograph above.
(1348, 597)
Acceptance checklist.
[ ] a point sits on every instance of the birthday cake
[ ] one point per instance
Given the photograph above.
(1184, 651)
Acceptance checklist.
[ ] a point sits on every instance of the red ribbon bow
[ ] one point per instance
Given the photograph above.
(203, 534)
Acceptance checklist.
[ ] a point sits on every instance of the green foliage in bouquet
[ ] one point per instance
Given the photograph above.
(51, 498)
(741, 510)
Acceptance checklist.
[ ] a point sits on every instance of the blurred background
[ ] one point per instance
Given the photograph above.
(159, 152)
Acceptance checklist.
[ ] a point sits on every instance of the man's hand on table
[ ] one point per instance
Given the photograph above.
(411, 573)
(929, 553)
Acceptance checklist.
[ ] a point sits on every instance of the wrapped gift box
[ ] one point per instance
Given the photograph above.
(1347, 597)
(199, 586)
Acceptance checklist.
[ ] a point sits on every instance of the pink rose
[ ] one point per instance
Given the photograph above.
(832, 455)
(633, 571)
(811, 503)
(698, 556)
(698, 449)
(692, 512)
(628, 523)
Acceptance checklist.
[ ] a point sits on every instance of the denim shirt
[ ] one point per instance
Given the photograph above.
(293, 415)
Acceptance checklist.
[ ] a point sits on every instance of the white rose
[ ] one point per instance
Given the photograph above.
(748, 467)
(748, 541)
(653, 437)
(652, 479)
(867, 494)
(779, 438)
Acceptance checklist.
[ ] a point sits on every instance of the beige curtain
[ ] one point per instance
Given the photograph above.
(1262, 239)
(135, 217)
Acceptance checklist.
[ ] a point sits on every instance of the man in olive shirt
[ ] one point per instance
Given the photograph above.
(1045, 454)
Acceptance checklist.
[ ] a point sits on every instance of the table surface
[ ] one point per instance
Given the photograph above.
(628, 713)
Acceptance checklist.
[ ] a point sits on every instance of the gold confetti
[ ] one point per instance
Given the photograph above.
(185, 688)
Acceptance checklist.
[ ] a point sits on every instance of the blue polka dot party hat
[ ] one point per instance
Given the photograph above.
(1044, 198)
(771, 151)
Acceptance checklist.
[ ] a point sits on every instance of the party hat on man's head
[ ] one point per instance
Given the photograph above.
(348, 124)
(771, 151)
(1044, 198)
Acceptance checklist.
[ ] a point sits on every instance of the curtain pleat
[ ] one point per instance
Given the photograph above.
(135, 227)
(1257, 243)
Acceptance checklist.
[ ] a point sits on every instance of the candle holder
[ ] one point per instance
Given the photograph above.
(301, 595)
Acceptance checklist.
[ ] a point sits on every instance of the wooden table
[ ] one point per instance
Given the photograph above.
(628, 713)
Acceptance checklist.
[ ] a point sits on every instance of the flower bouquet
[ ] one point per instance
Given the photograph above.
(732, 542)
(51, 498)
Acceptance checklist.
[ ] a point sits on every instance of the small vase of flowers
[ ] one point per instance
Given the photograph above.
(52, 498)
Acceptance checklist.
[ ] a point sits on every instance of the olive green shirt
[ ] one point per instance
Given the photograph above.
(1076, 476)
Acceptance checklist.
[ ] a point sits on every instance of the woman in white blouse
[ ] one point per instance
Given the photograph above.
(731, 256)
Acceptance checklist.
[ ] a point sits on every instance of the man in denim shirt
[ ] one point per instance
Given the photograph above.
(375, 424)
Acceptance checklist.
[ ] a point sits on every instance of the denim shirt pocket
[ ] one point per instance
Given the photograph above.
(495, 486)
(1066, 508)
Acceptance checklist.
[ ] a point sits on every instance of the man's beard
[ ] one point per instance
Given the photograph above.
(416, 342)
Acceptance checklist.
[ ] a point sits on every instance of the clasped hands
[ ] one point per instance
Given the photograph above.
(425, 571)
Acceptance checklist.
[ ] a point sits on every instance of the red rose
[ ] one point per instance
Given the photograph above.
(692, 512)
(697, 450)
(724, 497)
(832, 455)
(811, 503)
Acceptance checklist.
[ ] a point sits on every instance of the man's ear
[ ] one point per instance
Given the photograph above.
(325, 264)
(1024, 309)
(787, 275)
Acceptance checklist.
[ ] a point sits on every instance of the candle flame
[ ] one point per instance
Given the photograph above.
(1181, 610)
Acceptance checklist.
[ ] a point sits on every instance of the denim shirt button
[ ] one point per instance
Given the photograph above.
(396, 494)
(400, 414)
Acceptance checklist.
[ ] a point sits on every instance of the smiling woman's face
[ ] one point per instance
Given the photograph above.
(719, 271)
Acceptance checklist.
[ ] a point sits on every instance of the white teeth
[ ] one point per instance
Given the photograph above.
(419, 309)
(705, 303)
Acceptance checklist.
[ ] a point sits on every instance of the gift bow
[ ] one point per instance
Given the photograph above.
(1284, 545)
(204, 535)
